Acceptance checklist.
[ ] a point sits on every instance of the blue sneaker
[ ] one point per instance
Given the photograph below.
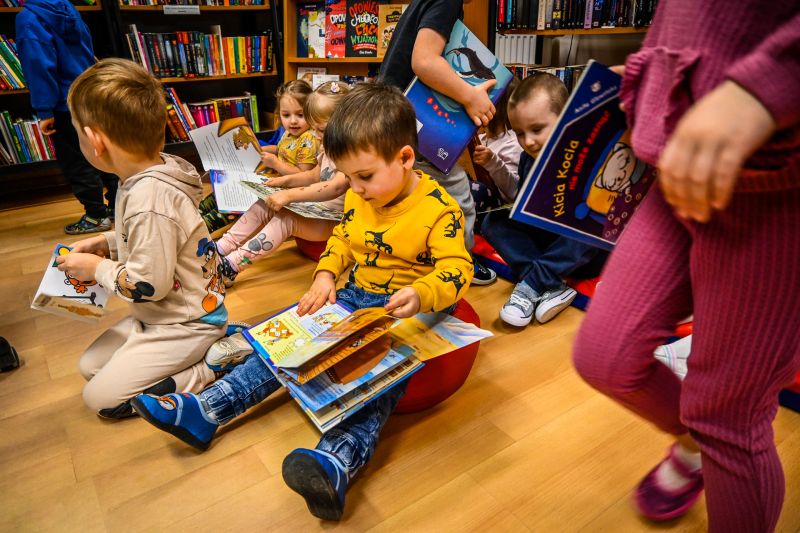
(320, 478)
(179, 414)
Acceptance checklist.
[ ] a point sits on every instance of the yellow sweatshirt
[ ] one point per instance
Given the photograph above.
(418, 242)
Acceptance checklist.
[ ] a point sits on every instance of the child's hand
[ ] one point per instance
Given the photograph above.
(482, 155)
(404, 303)
(703, 157)
(478, 105)
(322, 291)
(47, 126)
(268, 158)
(81, 266)
(275, 182)
(277, 201)
(97, 245)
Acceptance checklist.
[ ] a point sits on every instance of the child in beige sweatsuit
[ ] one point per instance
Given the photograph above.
(160, 257)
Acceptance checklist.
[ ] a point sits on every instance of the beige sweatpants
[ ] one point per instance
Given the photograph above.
(132, 356)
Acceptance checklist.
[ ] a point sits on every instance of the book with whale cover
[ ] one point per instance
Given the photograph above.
(443, 126)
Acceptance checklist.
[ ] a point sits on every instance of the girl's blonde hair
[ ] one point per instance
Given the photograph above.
(320, 104)
(297, 89)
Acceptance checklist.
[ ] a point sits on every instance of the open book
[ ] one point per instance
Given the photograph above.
(443, 126)
(586, 182)
(335, 361)
(61, 294)
(305, 209)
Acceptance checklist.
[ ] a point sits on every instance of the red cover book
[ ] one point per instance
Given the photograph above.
(335, 27)
(37, 134)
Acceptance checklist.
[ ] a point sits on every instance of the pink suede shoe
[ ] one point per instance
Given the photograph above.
(660, 504)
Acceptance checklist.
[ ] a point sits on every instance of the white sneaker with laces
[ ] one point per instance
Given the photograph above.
(553, 302)
(227, 352)
(518, 310)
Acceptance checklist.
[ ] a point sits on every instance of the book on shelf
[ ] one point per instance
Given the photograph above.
(362, 28)
(307, 73)
(586, 182)
(184, 117)
(316, 31)
(192, 2)
(192, 54)
(443, 126)
(11, 77)
(388, 16)
(336, 360)
(21, 141)
(301, 29)
(335, 28)
(573, 14)
(319, 79)
(61, 294)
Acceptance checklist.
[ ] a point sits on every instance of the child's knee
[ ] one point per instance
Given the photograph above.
(598, 358)
(87, 367)
(98, 397)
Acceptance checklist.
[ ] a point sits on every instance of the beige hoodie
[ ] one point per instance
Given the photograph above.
(163, 260)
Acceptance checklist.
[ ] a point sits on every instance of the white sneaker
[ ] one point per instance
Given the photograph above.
(518, 310)
(227, 352)
(553, 302)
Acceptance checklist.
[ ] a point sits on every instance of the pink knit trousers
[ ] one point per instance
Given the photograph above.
(260, 231)
(740, 276)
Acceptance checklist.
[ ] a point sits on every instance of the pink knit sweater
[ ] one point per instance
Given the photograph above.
(692, 47)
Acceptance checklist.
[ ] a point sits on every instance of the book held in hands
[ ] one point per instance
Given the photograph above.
(586, 182)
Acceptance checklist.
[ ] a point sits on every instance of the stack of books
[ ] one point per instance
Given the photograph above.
(10, 70)
(23, 142)
(190, 54)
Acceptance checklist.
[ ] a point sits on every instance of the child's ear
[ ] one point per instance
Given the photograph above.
(407, 157)
(96, 140)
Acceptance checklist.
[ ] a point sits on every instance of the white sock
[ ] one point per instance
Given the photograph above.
(670, 477)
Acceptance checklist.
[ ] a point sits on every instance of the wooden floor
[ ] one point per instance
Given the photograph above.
(523, 446)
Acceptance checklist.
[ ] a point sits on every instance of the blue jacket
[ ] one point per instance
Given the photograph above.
(54, 47)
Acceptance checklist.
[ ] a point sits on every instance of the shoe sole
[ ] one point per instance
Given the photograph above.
(83, 232)
(483, 282)
(514, 321)
(563, 302)
(306, 477)
(178, 431)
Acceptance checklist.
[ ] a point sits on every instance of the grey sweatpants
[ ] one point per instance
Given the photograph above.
(132, 356)
(457, 185)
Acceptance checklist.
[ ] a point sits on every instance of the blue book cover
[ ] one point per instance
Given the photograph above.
(443, 126)
(586, 182)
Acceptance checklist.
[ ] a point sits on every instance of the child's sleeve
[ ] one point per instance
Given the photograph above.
(441, 16)
(453, 268)
(38, 60)
(111, 240)
(771, 73)
(338, 256)
(148, 274)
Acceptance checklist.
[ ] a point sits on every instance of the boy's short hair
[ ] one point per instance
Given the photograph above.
(124, 101)
(372, 116)
(541, 81)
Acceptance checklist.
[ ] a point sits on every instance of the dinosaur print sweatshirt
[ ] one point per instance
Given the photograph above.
(163, 260)
(418, 242)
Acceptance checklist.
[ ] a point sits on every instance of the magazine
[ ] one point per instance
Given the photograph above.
(61, 294)
(318, 210)
(335, 360)
(586, 182)
(443, 126)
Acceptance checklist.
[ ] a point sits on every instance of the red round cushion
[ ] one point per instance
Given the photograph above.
(443, 375)
(310, 249)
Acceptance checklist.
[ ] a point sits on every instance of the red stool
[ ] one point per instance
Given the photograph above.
(310, 249)
(444, 375)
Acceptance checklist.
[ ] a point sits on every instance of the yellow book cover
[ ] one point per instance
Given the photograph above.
(388, 15)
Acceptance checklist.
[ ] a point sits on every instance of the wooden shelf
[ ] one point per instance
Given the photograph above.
(79, 8)
(160, 8)
(225, 77)
(596, 31)
(335, 60)
(14, 91)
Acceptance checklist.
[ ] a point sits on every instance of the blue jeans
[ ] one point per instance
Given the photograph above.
(352, 440)
(539, 258)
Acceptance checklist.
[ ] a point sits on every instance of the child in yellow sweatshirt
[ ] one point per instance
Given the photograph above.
(404, 237)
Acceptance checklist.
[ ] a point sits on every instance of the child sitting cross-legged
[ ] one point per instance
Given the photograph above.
(266, 225)
(402, 236)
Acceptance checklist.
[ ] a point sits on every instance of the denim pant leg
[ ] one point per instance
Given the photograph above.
(562, 257)
(353, 441)
(245, 386)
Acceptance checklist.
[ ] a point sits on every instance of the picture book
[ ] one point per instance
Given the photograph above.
(443, 126)
(230, 146)
(302, 27)
(61, 294)
(586, 182)
(388, 16)
(319, 210)
(362, 28)
(335, 361)
(316, 32)
(307, 73)
(335, 28)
